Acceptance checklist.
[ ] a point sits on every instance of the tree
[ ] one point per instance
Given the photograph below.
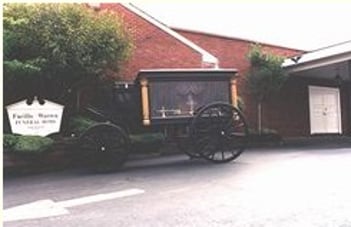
(265, 77)
(50, 48)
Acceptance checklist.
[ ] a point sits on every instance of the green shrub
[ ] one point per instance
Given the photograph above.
(146, 142)
(9, 141)
(264, 131)
(80, 124)
(27, 144)
(60, 45)
(147, 138)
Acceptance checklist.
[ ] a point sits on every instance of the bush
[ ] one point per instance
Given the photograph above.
(147, 138)
(264, 131)
(265, 77)
(146, 142)
(27, 144)
(61, 45)
(9, 141)
(266, 135)
(80, 124)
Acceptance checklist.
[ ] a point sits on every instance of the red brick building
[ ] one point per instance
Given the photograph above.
(232, 53)
(156, 45)
(159, 46)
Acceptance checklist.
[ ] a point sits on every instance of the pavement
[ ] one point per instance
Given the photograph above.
(62, 159)
(315, 141)
(302, 187)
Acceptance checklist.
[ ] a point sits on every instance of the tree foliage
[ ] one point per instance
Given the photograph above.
(60, 44)
(266, 76)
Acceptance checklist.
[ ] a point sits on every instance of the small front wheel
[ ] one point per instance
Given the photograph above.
(219, 132)
(104, 147)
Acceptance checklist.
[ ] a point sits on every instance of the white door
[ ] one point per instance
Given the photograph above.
(325, 115)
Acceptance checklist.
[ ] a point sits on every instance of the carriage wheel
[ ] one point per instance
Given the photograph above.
(186, 146)
(105, 147)
(219, 132)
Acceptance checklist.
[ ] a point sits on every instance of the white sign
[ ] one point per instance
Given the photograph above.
(35, 119)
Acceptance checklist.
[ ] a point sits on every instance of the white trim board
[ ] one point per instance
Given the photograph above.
(325, 56)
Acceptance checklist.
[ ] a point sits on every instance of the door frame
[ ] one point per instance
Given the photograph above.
(313, 88)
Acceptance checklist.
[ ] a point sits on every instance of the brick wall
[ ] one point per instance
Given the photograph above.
(346, 108)
(288, 111)
(232, 53)
(153, 48)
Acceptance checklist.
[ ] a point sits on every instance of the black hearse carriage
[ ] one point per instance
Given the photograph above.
(195, 107)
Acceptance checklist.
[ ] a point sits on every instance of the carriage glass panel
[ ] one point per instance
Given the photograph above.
(170, 99)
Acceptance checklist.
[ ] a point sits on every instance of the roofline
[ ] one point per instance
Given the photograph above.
(324, 56)
(233, 37)
(206, 56)
(187, 73)
(176, 70)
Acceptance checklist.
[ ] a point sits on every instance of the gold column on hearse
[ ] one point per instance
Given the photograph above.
(234, 91)
(145, 101)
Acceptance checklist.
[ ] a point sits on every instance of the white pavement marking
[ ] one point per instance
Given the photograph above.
(99, 197)
(37, 209)
(48, 208)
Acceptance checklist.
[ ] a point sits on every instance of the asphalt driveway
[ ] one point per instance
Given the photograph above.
(263, 187)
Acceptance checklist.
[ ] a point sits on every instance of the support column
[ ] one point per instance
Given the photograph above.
(234, 92)
(145, 101)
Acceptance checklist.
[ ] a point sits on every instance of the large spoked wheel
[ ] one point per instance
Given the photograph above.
(219, 132)
(104, 147)
(186, 146)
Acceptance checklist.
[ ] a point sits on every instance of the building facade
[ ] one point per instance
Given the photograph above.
(325, 89)
(232, 53)
(292, 113)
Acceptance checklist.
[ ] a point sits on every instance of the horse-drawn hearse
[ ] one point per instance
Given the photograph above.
(195, 107)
